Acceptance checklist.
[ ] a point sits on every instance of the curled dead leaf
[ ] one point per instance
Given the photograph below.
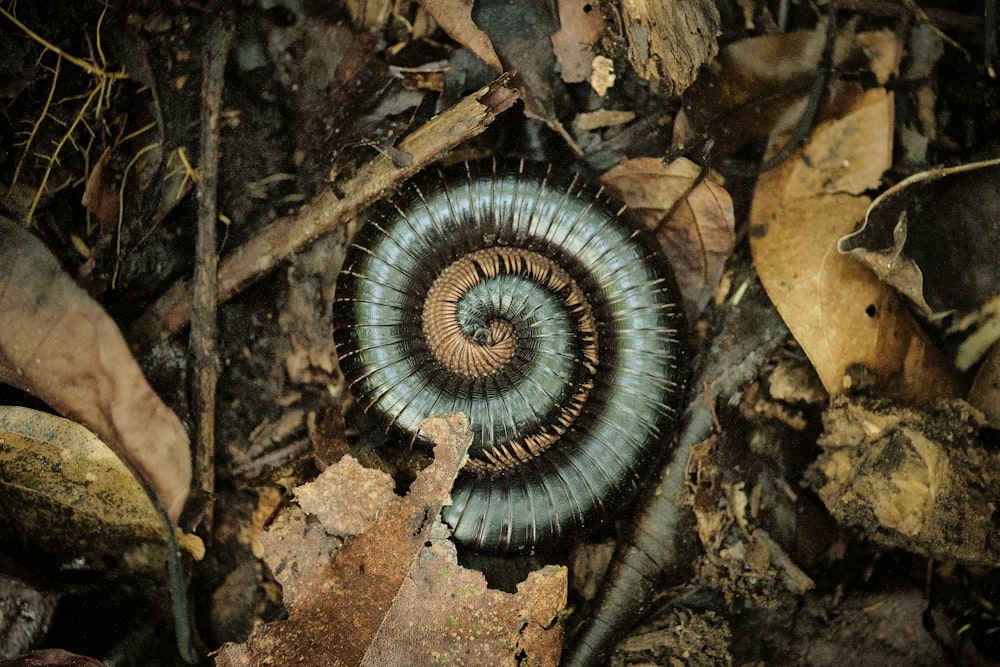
(840, 314)
(933, 237)
(693, 220)
(61, 346)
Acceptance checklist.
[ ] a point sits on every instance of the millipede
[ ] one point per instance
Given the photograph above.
(527, 298)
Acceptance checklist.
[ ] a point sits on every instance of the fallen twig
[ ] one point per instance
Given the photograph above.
(204, 371)
(327, 212)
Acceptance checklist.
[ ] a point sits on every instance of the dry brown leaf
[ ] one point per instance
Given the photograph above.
(747, 90)
(581, 23)
(756, 88)
(455, 18)
(882, 52)
(389, 597)
(668, 42)
(61, 346)
(698, 236)
(522, 37)
(838, 311)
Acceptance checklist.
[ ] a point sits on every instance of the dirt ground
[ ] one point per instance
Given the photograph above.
(838, 504)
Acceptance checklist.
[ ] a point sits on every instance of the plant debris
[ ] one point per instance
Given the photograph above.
(822, 177)
(402, 561)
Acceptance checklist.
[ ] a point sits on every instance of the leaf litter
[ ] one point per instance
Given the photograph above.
(403, 561)
(67, 351)
(778, 507)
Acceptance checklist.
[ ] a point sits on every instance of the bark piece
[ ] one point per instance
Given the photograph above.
(919, 481)
(669, 41)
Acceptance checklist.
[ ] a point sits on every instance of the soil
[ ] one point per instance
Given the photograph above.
(309, 98)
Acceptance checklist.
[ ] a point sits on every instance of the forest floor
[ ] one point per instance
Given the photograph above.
(822, 177)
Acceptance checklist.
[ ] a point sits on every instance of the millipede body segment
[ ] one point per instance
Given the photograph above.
(530, 301)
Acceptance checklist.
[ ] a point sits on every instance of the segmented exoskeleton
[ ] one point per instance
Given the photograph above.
(528, 299)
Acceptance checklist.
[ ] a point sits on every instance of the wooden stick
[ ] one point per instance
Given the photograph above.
(326, 212)
(204, 365)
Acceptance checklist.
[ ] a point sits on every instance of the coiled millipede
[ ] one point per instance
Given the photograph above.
(528, 300)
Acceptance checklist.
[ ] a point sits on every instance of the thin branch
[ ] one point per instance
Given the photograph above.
(204, 366)
(326, 212)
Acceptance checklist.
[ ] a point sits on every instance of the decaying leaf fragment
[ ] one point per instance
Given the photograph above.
(58, 344)
(464, 622)
(347, 497)
(581, 23)
(933, 237)
(841, 315)
(693, 220)
(919, 481)
(27, 608)
(394, 595)
(64, 494)
(521, 35)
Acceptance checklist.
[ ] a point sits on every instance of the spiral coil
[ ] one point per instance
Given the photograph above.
(530, 301)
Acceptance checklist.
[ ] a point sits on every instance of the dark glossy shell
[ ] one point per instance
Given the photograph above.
(620, 430)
